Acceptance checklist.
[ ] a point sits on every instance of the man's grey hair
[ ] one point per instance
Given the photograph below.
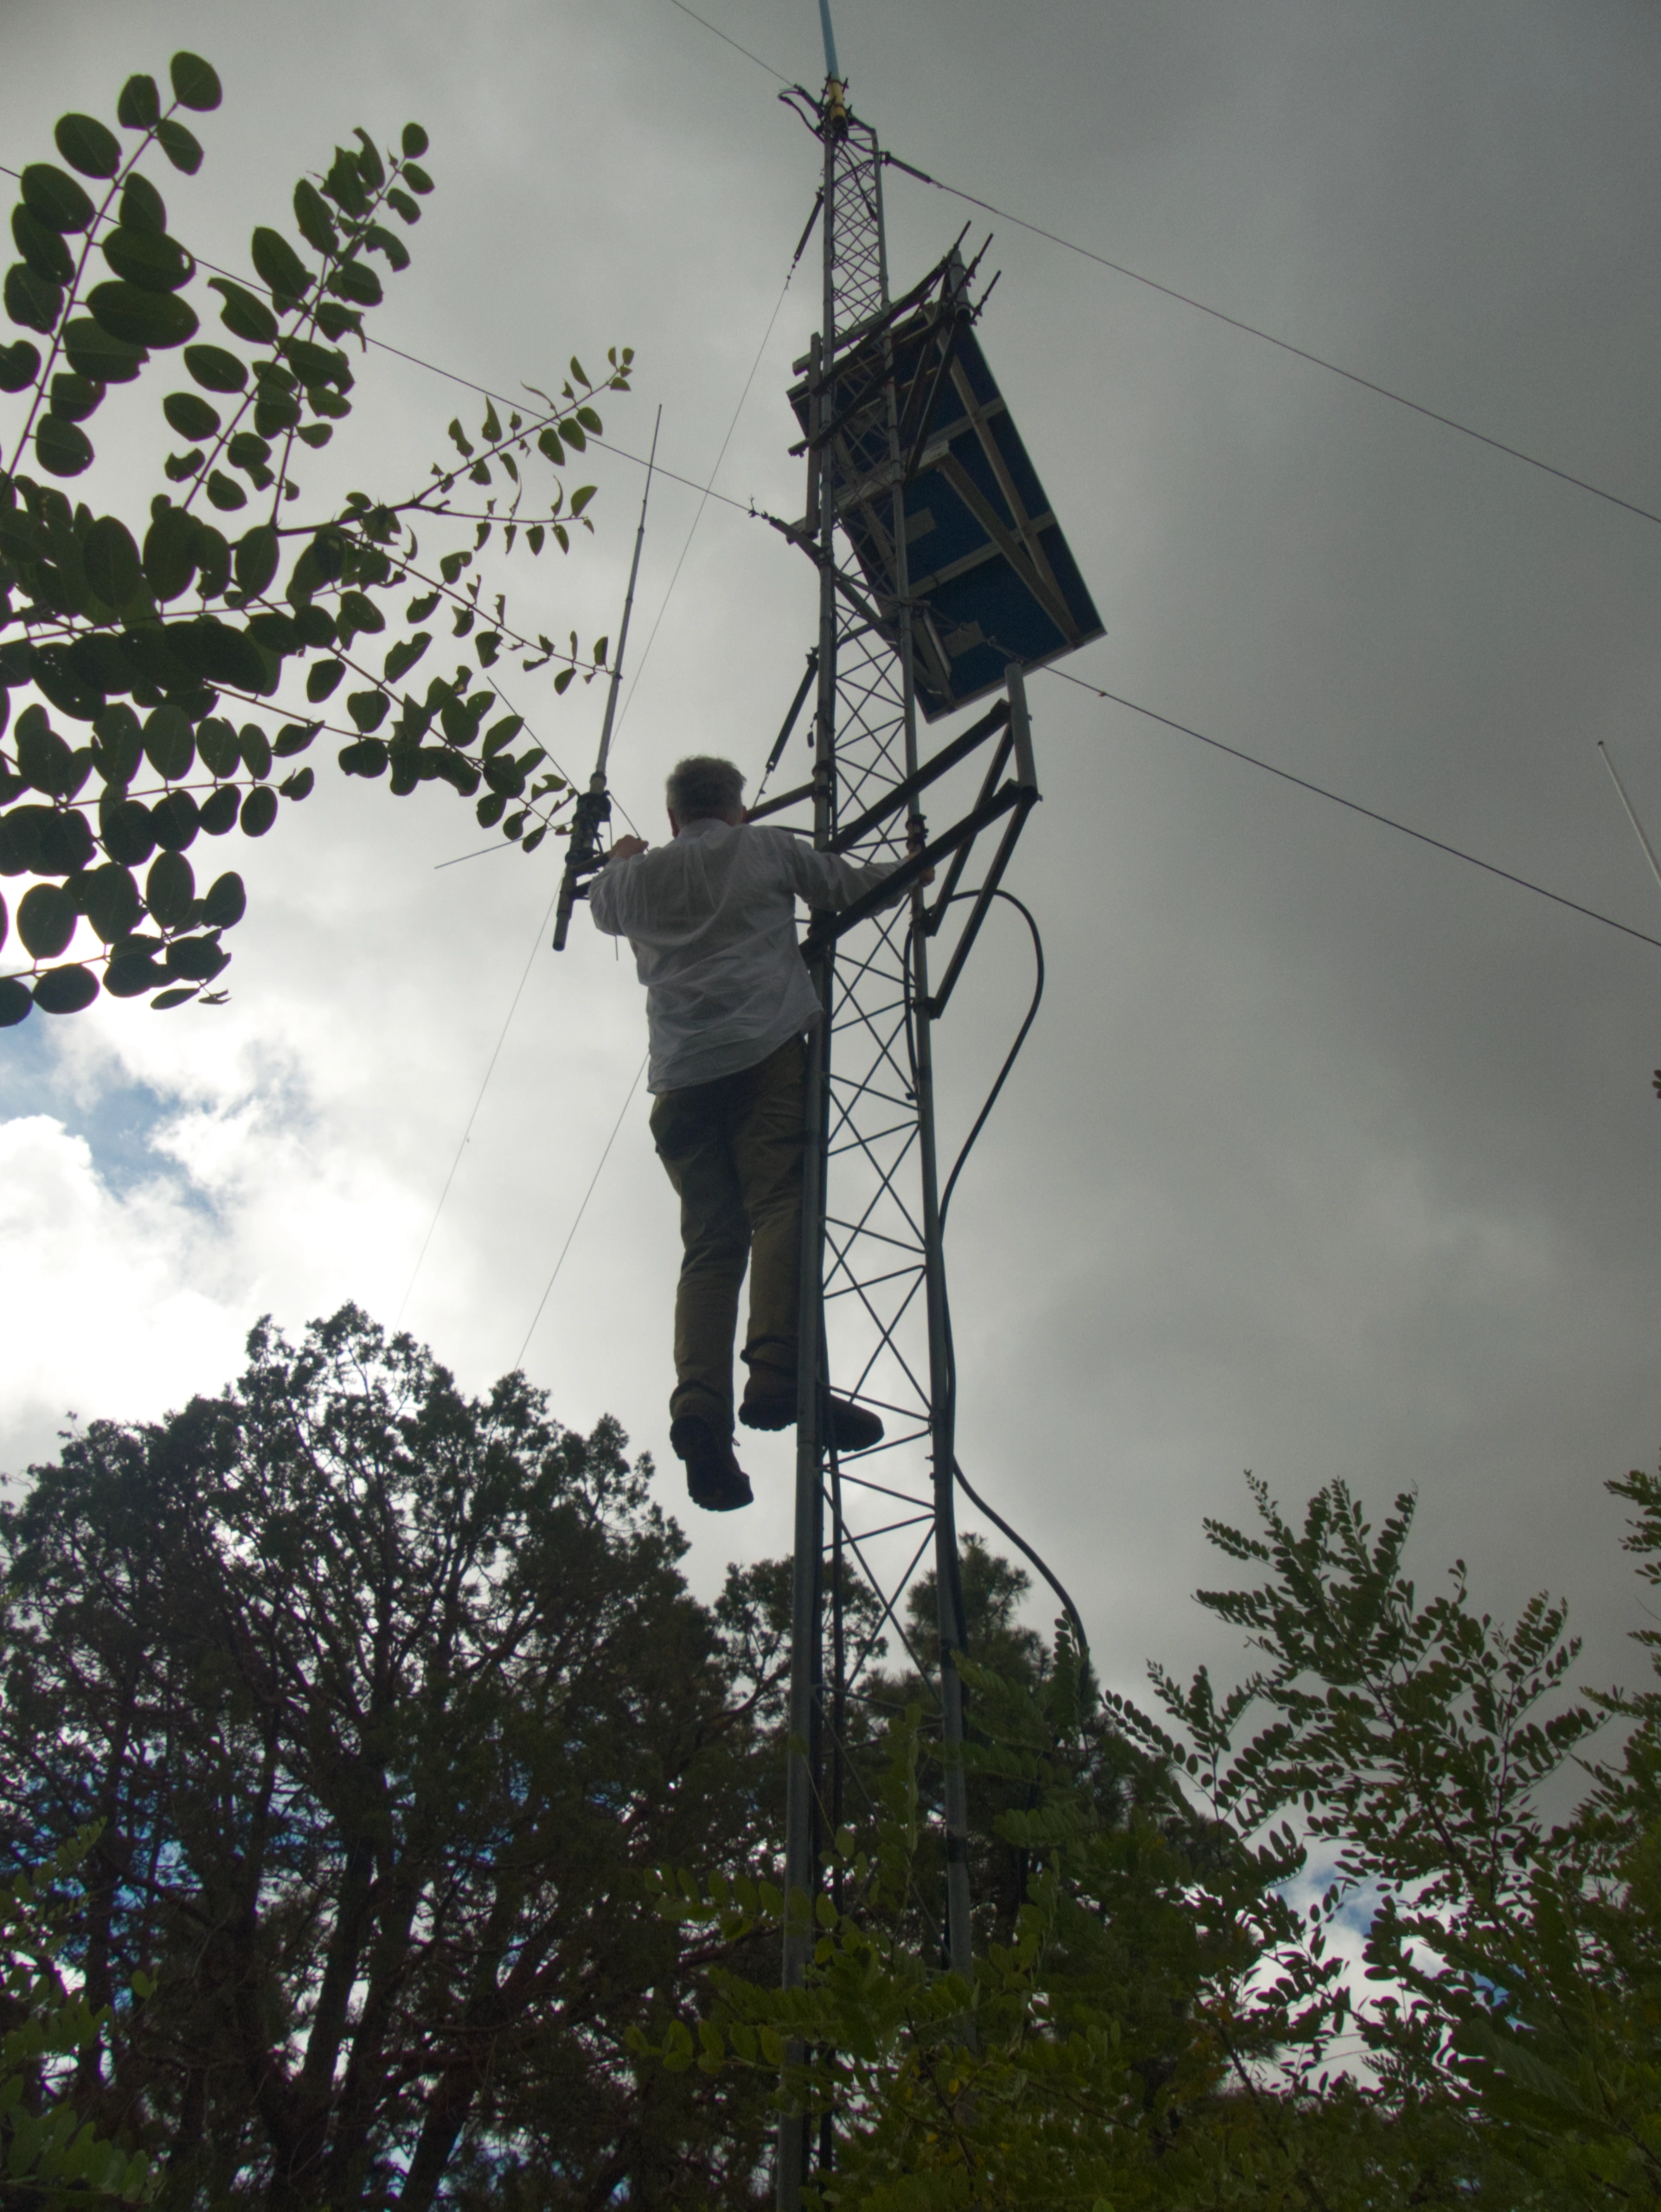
(702, 786)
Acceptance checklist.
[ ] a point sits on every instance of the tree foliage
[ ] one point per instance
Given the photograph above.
(50, 2155)
(383, 1699)
(147, 653)
(1164, 2023)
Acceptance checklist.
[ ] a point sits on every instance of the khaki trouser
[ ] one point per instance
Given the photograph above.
(733, 1149)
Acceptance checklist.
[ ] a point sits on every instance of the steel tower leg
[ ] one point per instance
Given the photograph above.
(871, 1246)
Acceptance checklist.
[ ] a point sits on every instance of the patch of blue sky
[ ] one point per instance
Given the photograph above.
(120, 1121)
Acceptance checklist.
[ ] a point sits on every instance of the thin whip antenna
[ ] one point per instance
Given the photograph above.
(831, 69)
(1632, 813)
(595, 805)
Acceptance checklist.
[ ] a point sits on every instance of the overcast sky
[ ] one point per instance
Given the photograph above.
(1329, 1156)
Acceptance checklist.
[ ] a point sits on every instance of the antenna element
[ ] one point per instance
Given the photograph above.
(593, 806)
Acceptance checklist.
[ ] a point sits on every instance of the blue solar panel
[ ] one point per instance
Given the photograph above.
(990, 576)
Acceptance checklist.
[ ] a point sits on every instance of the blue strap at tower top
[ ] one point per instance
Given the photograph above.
(831, 68)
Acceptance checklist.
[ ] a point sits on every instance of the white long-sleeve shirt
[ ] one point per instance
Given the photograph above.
(711, 918)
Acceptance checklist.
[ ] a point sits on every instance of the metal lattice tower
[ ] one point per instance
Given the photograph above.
(873, 1272)
(909, 444)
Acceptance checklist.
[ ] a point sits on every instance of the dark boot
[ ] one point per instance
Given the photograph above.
(714, 1478)
(851, 1429)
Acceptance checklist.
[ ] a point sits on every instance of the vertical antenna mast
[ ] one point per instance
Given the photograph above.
(907, 443)
(595, 805)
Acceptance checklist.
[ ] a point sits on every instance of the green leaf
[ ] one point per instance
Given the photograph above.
(142, 206)
(492, 433)
(170, 889)
(212, 562)
(368, 709)
(31, 301)
(219, 653)
(312, 214)
(16, 1000)
(197, 958)
(20, 365)
(46, 920)
(294, 737)
(382, 241)
(181, 147)
(501, 732)
(218, 810)
(358, 612)
(366, 758)
(417, 179)
(256, 559)
(242, 313)
(196, 85)
(191, 417)
(215, 369)
(255, 747)
(54, 196)
(117, 747)
(111, 560)
(406, 206)
(148, 259)
(170, 552)
(356, 281)
(140, 318)
(275, 412)
(404, 655)
(69, 681)
(73, 398)
(216, 743)
(249, 452)
(168, 742)
(369, 166)
(180, 468)
(316, 364)
(139, 107)
(111, 902)
(413, 141)
(131, 974)
(125, 832)
(92, 352)
(334, 320)
(175, 820)
(418, 610)
(65, 991)
(164, 1000)
(62, 448)
(321, 678)
(43, 250)
(279, 265)
(344, 184)
(299, 785)
(225, 492)
(87, 144)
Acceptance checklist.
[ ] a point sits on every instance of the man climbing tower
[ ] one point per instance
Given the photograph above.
(711, 920)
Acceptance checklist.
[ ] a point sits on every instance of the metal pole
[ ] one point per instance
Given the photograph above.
(593, 806)
(831, 68)
(806, 1662)
(941, 1389)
